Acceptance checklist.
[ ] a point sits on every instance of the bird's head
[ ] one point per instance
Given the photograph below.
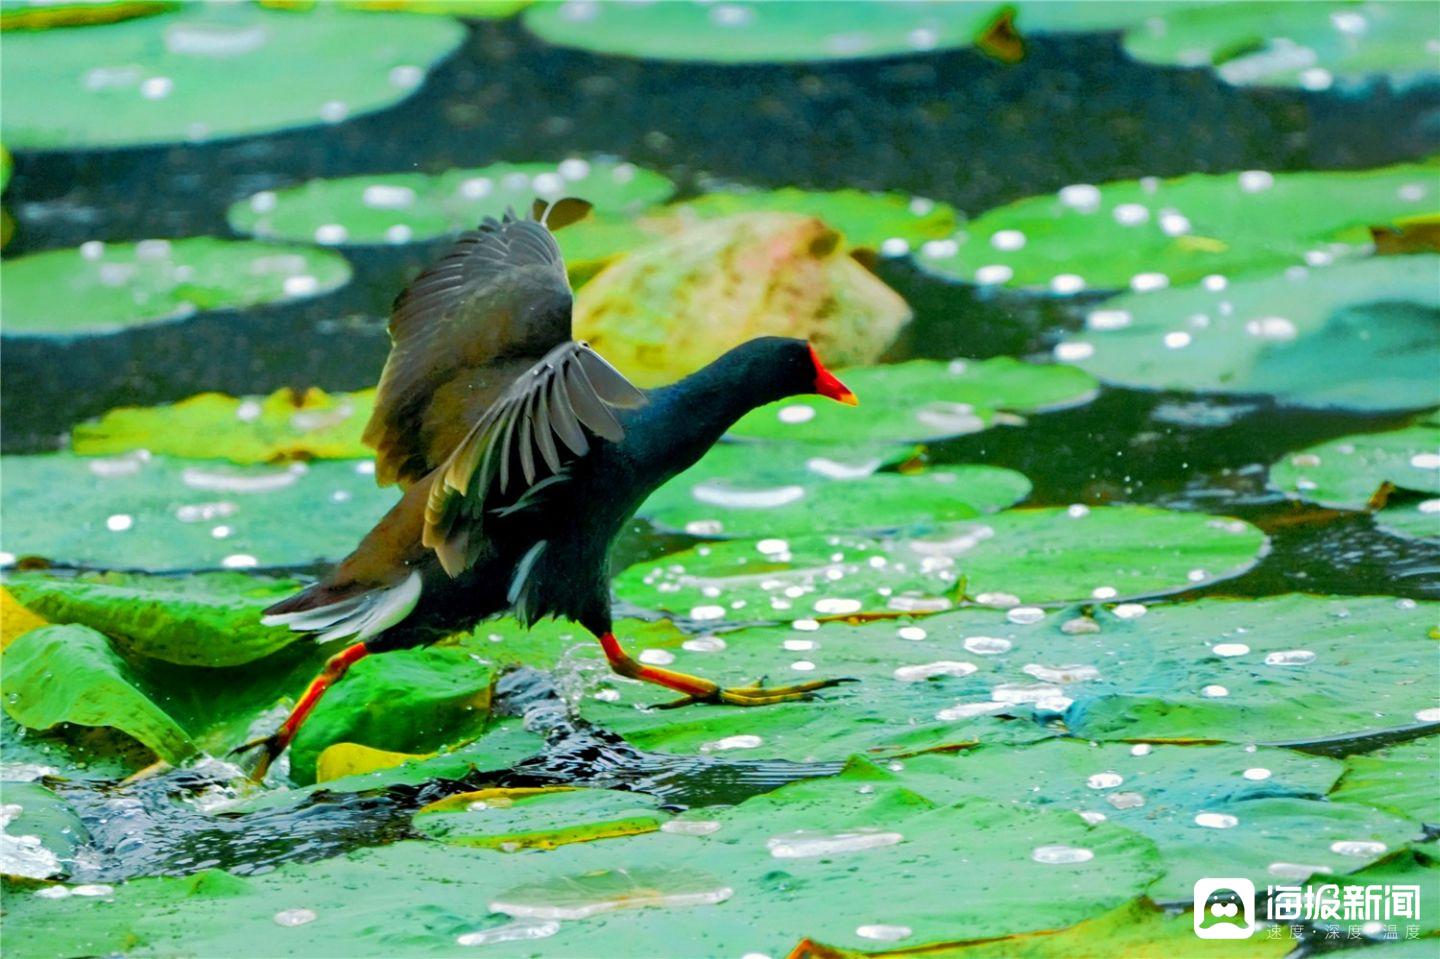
(774, 367)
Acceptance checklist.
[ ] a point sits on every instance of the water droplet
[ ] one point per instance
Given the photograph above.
(657, 657)
(968, 711)
(795, 413)
(993, 274)
(703, 644)
(771, 547)
(939, 249)
(1083, 197)
(802, 665)
(944, 667)
(1107, 319)
(799, 645)
(1067, 283)
(1230, 649)
(1025, 615)
(805, 625)
(1214, 692)
(1215, 282)
(294, 917)
(240, 561)
(52, 892)
(987, 645)
(333, 111)
(331, 234)
(1092, 817)
(912, 633)
(405, 76)
(1426, 461)
(1177, 340)
(119, 522)
(690, 827)
(732, 742)
(1008, 240)
(1216, 820)
(1077, 511)
(1146, 282)
(1130, 610)
(1061, 674)
(1357, 847)
(894, 246)
(1104, 592)
(157, 88)
(707, 612)
(837, 607)
(1272, 328)
(1074, 351)
(1256, 774)
(1140, 749)
(1290, 657)
(510, 932)
(1105, 780)
(881, 932)
(1015, 693)
(1131, 214)
(1127, 800)
(1428, 715)
(808, 844)
(1059, 855)
(1256, 181)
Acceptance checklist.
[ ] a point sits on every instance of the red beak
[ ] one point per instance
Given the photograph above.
(827, 385)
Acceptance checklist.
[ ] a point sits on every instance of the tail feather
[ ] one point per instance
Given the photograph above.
(361, 615)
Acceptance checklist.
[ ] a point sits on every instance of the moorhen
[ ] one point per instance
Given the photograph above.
(521, 454)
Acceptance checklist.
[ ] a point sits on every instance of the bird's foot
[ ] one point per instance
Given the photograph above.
(256, 756)
(759, 694)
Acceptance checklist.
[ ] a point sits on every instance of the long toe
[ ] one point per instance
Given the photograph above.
(768, 695)
(256, 756)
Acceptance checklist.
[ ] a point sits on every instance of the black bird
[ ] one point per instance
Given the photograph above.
(521, 454)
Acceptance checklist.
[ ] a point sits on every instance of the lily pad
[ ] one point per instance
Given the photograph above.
(1313, 46)
(39, 832)
(1035, 556)
(753, 489)
(169, 78)
(151, 513)
(1399, 780)
(1282, 669)
(45, 14)
(286, 425)
(922, 400)
(1398, 470)
(1152, 233)
(1184, 799)
(405, 207)
(70, 674)
(102, 288)
(666, 309)
(205, 619)
(1416, 865)
(1357, 336)
(413, 700)
(888, 222)
(513, 819)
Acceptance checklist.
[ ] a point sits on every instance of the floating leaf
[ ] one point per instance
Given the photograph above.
(753, 489)
(646, 893)
(39, 832)
(69, 674)
(922, 400)
(46, 14)
(169, 78)
(1183, 798)
(282, 426)
(15, 619)
(1355, 336)
(669, 308)
(106, 288)
(1039, 556)
(414, 700)
(351, 759)
(1153, 233)
(1397, 472)
(512, 819)
(1399, 780)
(1313, 46)
(1416, 865)
(863, 220)
(403, 207)
(158, 514)
(207, 619)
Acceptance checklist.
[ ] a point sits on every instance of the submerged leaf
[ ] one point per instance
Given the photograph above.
(513, 819)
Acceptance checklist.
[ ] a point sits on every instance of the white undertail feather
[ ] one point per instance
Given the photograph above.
(363, 616)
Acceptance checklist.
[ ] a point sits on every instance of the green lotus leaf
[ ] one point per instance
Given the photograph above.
(41, 832)
(755, 32)
(403, 207)
(1398, 780)
(1352, 471)
(156, 514)
(1416, 865)
(285, 425)
(105, 288)
(1035, 556)
(754, 489)
(1183, 798)
(864, 220)
(45, 14)
(1152, 233)
(169, 78)
(70, 674)
(1353, 336)
(1212, 670)
(1313, 46)
(521, 819)
(204, 619)
(750, 886)
(666, 309)
(922, 400)
(1139, 929)
(409, 701)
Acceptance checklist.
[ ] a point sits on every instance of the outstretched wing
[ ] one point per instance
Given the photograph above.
(545, 421)
(495, 303)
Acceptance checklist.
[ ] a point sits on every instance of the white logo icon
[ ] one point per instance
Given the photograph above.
(1224, 908)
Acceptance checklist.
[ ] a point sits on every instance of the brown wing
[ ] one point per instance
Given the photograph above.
(545, 421)
(494, 304)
